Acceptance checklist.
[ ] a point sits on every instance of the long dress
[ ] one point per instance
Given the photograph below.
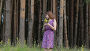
(48, 37)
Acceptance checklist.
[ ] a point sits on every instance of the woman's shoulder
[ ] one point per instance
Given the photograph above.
(54, 20)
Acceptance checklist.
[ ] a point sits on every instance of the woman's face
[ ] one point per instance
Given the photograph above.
(47, 17)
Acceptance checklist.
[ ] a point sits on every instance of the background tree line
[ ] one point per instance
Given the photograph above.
(23, 20)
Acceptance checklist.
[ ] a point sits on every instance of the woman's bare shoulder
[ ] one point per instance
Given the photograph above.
(54, 20)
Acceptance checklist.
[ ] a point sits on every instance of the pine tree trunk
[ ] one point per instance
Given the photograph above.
(3, 26)
(54, 14)
(65, 26)
(71, 22)
(39, 31)
(54, 8)
(31, 21)
(44, 6)
(86, 27)
(1, 1)
(15, 22)
(60, 43)
(8, 22)
(22, 23)
(76, 22)
(52, 5)
(81, 22)
(68, 19)
(89, 22)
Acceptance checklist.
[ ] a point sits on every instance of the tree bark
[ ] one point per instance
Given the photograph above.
(54, 14)
(54, 8)
(39, 31)
(8, 21)
(86, 27)
(76, 22)
(22, 23)
(31, 22)
(44, 6)
(15, 22)
(89, 22)
(65, 26)
(71, 22)
(1, 4)
(1, 1)
(60, 43)
(81, 22)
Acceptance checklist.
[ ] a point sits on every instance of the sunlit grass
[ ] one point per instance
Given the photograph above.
(8, 47)
(26, 48)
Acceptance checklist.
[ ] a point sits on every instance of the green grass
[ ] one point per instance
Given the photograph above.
(8, 47)
(25, 48)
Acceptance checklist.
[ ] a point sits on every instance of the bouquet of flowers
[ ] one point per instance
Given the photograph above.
(46, 20)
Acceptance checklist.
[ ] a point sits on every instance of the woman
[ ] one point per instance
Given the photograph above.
(49, 28)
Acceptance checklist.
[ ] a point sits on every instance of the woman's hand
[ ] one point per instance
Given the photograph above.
(46, 24)
(53, 27)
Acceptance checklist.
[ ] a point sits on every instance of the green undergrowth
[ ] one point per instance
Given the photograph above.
(9, 47)
(26, 48)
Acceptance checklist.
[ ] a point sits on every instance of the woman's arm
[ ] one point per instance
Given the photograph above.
(53, 27)
(44, 26)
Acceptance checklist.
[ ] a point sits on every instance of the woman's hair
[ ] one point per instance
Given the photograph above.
(50, 14)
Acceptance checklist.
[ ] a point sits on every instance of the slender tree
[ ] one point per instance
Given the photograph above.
(86, 26)
(89, 22)
(44, 6)
(3, 26)
(39, 31)
(68, 19)
(22, 23)
(54, 8)
(30, 22)
(54, 14)
(15, 22)
(81, 22)
(8, 21)
(65, 26)
(61, 24)
(76, 22)
(1, 1)
(71, 22)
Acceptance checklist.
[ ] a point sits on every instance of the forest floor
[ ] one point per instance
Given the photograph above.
(25, 48)
(8, 47)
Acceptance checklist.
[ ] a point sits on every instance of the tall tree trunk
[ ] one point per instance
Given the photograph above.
(3, 26)
(65, 26)
(54, 8)
(15, 22)
(22, 23)
(71, 22)
(1, 1)
(86, 27)
(17, 19)
(76, 22)
(52, 5)
(39, 31)
(81, 22)
(68, 19)
(44, 6)
(8, 21)
(54, 14)
(89, 22)
(60, 43)
(30, 22)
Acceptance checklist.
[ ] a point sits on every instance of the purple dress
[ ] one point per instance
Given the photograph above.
(48, 37)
